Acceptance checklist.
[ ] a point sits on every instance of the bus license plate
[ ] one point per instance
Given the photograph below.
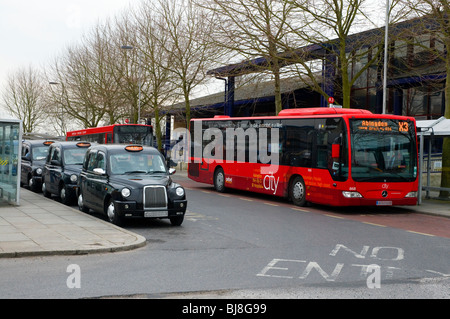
(156, 214)
(384, 203)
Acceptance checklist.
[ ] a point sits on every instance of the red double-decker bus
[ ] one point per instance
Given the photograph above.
(339, 157)
(115, 133)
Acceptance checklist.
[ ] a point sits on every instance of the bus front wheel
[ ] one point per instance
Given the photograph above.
(297, 191)
(219, 180)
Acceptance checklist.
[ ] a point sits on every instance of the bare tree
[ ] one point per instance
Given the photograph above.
(75, 91)
(156, 64)
(251, 29)
(438, 12)
(188, 28)
(329, 28)
(129, 72)
(89, 88)
(23, 98)
(105, 56)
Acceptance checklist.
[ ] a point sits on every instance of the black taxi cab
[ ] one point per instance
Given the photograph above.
(34, 153)
(62, 168)
(126, 181)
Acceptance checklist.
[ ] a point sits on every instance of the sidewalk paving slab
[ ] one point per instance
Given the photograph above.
(41, 226)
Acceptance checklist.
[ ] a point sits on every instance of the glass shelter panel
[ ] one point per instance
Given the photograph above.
(10, 151)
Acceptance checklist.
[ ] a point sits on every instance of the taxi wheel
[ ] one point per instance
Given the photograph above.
(45, 192)
(81, 206)
(297, 191)
(111, 213)
(177, 220)
(65, 198)
(32, 185)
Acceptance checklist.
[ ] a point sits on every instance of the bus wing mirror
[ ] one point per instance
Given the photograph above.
(335, 150)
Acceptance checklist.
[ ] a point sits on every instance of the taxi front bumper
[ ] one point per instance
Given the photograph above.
(133, 209)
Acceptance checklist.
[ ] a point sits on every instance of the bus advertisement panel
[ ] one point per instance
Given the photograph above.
(340, 157)
(116, 133)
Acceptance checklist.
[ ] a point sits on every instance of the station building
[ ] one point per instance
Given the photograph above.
(415, 81)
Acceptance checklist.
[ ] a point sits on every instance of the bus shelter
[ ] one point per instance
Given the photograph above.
(10, 160)
(430, 129)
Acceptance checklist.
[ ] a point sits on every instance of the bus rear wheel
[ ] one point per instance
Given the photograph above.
(297, 191)
(219, 180)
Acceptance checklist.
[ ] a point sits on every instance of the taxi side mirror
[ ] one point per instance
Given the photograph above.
(99, 171)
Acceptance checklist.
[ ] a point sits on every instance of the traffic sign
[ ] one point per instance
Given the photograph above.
(331, 100)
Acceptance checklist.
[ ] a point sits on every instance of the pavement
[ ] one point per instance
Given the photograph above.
(42, 226)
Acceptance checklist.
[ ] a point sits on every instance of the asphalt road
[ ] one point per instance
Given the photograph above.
(240, 245)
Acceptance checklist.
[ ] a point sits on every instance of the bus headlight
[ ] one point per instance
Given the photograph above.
(351, 194)
(125, 192)
(411, 194)
(179, 191)
(73, 178)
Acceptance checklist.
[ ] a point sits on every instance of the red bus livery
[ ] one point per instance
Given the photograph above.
(115, 133)
(339, 157)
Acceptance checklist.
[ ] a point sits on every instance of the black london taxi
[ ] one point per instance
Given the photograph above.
(62, 168)
(126, 181)
(34, 153)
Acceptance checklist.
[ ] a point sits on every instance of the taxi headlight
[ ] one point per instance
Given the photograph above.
(179, 191)
(125, 192)
(39, 171)
(351, 194)
(73, 178)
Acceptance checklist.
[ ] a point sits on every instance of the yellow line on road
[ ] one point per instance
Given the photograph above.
(301, 210)
(270, 204)
(224, 195)
(373, 224)
(334, 216)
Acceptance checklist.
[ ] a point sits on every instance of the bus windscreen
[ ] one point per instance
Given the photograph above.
(133, 134)
(383, 150)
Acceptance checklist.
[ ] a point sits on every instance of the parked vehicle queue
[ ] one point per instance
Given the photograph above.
(119, 180)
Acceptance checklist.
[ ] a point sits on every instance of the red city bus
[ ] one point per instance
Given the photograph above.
(115, 133)
(332, 156)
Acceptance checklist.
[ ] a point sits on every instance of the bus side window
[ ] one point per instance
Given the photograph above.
(296, 143)
(322, 151)
(109, 138)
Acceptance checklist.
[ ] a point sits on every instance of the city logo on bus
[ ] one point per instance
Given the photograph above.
(270, 183)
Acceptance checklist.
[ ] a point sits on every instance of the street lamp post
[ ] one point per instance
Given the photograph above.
(129, 47)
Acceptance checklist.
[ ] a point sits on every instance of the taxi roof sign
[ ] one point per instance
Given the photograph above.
(134, 148)
(83, 144)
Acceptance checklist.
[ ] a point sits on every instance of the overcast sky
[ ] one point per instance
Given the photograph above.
(33, 32)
